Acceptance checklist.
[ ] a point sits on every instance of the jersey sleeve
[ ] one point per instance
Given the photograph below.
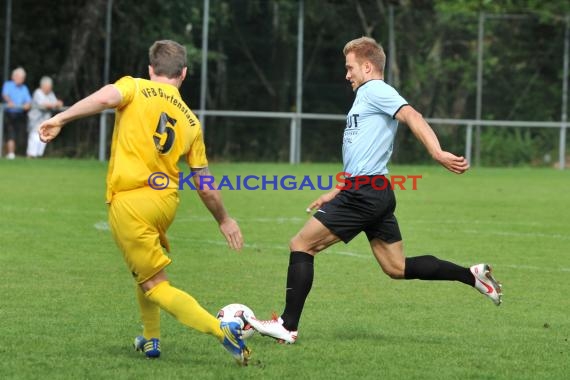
(127, 87)
(387, 100)
(196, 157)
(27, 96)
(5, 89)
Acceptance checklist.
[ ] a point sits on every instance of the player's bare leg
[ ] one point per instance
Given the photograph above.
(393, 262)
(310, 240)
(390, 257)
(10, 149)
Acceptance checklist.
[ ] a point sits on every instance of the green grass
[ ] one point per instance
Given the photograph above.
(67, 305)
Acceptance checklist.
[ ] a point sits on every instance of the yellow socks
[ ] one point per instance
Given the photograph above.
(150, 315)
(184, 308)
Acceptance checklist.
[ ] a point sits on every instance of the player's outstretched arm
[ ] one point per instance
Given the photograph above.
(212, 199)
(106, 97)
(427, 137)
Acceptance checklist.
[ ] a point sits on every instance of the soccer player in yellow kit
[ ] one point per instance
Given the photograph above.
(153, 129)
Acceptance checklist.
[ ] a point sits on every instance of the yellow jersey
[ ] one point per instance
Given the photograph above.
(153, 129)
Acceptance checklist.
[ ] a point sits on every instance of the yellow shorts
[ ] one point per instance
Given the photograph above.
(138, 220)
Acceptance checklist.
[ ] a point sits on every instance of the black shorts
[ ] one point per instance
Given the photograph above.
(15, 123)
(367, 209)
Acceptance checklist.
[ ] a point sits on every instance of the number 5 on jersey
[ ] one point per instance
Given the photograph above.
(164, 134)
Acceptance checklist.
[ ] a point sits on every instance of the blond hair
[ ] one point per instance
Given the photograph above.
(366, 48)
(167, 58)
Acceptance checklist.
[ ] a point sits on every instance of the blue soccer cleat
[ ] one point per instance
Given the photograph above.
(233, 342)
(151, 347)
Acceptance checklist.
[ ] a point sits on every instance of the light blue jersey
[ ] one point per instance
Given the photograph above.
(18, 94)
(371, 128)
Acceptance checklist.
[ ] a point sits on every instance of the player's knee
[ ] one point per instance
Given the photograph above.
(297, 244)
(393, 272)
(154, 281)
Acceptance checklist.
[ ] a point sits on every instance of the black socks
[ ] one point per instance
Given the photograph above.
(299, 283)
(301, 271)
(431, 268)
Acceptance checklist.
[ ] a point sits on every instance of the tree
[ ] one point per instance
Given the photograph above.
(252, 65)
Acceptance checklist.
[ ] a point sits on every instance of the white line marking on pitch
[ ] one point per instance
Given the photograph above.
(431, 222)
(104, 226)
(470, 222)
(280, 248)
(244, 220)
(101, 226)
(41, 210)
(500, 233)
(295, 219)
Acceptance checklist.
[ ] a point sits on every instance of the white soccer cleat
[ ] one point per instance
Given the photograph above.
(486, 283)
(274, 329)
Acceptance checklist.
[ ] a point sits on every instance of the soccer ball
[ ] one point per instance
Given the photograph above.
(237, 312)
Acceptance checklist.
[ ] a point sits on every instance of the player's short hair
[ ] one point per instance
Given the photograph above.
(167, 58)
(366, 48)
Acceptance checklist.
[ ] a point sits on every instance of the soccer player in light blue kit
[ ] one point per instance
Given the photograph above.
(367, 203)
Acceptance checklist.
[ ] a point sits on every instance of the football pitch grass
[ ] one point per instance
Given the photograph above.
(68, 310)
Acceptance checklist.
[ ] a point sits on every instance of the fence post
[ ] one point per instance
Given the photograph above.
(204, 68)
(479, 100)
(292, 140)
(562, 147)
(7, 40)
(1, 130)
(296, 158)
(108, 31)
(468, 142)
(391, 46)
(103, 136)
(564, 116)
